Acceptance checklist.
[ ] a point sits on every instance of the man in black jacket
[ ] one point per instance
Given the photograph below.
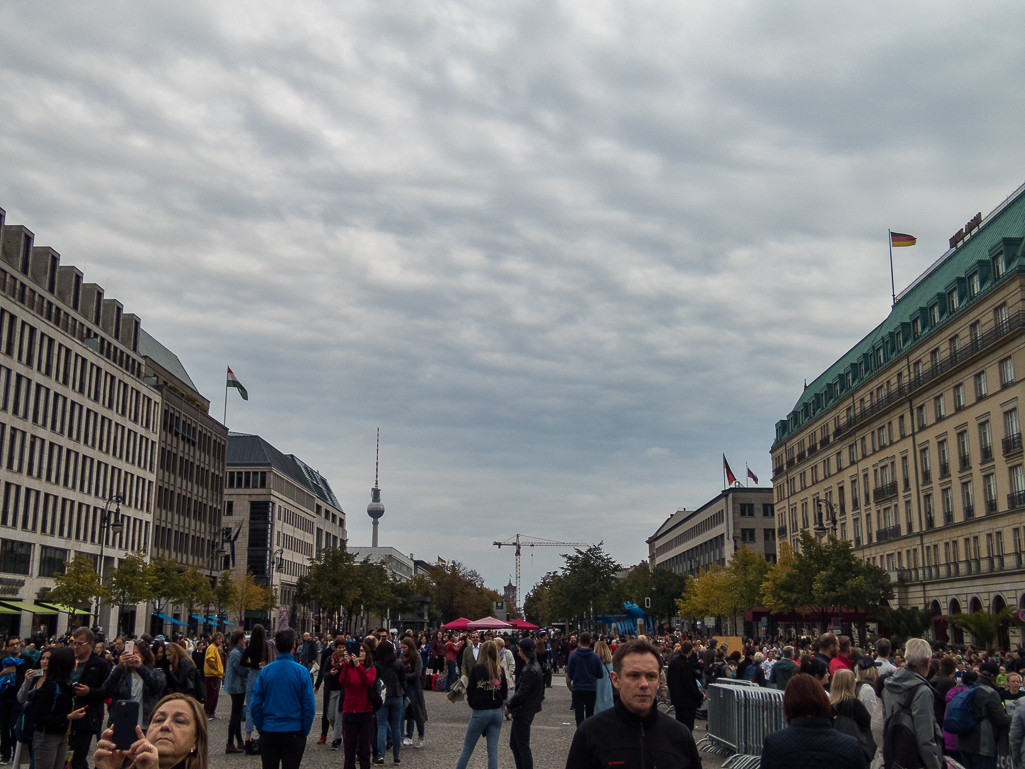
(683, 686)
(634, 733)
(525, 704)
(88, 679)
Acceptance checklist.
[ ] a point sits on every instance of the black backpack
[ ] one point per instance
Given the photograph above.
(846, 724)
(900, 742)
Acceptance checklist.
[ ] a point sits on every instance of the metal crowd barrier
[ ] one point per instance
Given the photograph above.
(740, 714)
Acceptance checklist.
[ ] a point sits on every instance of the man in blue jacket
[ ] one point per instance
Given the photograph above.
(584, 669)
(283, 706)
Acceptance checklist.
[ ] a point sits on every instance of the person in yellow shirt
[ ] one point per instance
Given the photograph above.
(213, 670)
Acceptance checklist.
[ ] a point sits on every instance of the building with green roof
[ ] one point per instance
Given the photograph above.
(895, 446)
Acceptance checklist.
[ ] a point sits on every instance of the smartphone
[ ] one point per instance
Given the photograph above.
(129, 647)
(125, 717)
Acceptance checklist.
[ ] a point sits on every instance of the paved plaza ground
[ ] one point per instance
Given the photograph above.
(551, 736)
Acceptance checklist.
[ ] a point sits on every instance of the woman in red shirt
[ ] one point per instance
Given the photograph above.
(451, 659)
(357, 677)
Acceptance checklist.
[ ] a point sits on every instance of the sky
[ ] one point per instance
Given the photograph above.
(564, 255)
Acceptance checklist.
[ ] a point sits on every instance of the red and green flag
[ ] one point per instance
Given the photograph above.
(233, 382)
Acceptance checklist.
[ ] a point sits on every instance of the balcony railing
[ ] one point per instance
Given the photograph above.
(989, 565)
(781, 532)
(885, 535)
(1015, 500)
(930, 522)
(969, 512)
(948, 517)
(857, 541)
(926, 475)
(884, 492)
(855, 504)
(1011, 444)
(964, 462)
(944, 469)
(987, 454)
(991, 506)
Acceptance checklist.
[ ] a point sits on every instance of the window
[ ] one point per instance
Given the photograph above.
(999, 267)
(989, 490)
(952, 303)
(900, 426)
(907, 515)
(916, 328)
(15, 557)
(934, 314)
(940, 408)
(973, 284)
(981, 391)
(229, 508)
(1017, 478)
(904, 471)
(968, 499)
(959, 399)
(943, 454)
(964, 453)
(927, 508)
(768, 511)
(51, 561)
(747, 535)
(926, 465)
(923, 420)
(747, 510)
(1006, 372)
(769, 535)
(985, 441)
(947, 497)
(1011, 424)
(975, 334)
(852, 454)
(916, 370)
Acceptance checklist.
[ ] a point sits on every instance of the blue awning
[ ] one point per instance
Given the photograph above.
(203, 619)
(172, 620)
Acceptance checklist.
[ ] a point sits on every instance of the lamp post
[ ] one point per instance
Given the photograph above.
(827, 521)
(116, 527)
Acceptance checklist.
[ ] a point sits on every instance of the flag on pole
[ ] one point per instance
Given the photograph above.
(442, 561)
(233, 382)
(751, 475)
(730, 477)
(899, 239)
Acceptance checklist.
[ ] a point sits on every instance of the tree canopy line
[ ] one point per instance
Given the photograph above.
(337, 580)
(164, 582)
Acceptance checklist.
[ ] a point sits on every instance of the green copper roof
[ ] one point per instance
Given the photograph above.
(1002, 231)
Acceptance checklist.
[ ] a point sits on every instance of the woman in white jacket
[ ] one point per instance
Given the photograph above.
(508, 663)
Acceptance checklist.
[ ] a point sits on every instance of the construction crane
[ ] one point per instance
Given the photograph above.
(522, 540)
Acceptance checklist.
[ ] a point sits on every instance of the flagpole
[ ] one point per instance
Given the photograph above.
(893, 286)
(225, 422)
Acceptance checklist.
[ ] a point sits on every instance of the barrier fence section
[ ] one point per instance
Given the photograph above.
(739, 717)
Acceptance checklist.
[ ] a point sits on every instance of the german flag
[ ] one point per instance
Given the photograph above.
(899, 239)
(730, 477)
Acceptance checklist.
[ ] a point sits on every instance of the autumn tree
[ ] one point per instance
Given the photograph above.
(78, 585)
(712, 593)
(333, 581)
(194, 589)
(164, 576)
(129, 583)
(247, 595)
(666, 587)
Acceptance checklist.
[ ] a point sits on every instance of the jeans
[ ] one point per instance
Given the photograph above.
(488, 723)
(357, 737)
(250, 684)
(238, 702)
(519, 741)
(451, 677)
(583, 705)
(49, 750)
(284, 749)
(419, 728)
(389, 719)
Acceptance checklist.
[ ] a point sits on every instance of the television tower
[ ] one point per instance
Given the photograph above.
(376, 509)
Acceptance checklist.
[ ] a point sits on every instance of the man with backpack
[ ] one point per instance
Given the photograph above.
(911, 736)
(979, 717)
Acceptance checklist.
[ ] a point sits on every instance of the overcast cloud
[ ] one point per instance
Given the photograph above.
(564, 254)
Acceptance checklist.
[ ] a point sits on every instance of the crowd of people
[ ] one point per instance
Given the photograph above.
(880, 706)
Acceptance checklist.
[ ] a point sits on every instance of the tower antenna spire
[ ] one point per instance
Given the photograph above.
(376, 508)
(377, 457)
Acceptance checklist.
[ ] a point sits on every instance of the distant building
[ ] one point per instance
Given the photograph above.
(690, 540)
(283, 513)
(399, 565)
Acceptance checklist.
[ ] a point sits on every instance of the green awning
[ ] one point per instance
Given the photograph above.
(5, 610)
(20, 606)
(55, 607)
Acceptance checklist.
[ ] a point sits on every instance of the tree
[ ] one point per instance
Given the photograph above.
(782, 590)
(460, 592)
(984, 626)
(666, 587)
(538, 606)
(589, 582)
(164, 576)
(249, 596)
(907, 622)
(224, 593)
(194, 589)
(637, 585)
(78, 585)
(130, 583)
(711, 594)
(748, 570)
(333, 581)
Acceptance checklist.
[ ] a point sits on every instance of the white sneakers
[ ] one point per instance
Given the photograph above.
(406, 741)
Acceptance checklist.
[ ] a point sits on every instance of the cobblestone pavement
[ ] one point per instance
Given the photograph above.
(551, 735)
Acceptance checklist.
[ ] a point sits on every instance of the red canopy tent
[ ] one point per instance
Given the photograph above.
(456, 624)
(489, 623)
(522, 624)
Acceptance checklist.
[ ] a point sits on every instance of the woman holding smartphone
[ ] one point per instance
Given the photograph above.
(50, 740)
(356, 678)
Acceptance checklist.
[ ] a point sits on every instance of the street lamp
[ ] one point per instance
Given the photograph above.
(116, 526)
(828, 520)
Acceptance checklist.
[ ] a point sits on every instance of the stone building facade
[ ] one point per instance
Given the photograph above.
(910, 444)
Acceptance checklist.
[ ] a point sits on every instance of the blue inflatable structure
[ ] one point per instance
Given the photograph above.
(627, 624)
